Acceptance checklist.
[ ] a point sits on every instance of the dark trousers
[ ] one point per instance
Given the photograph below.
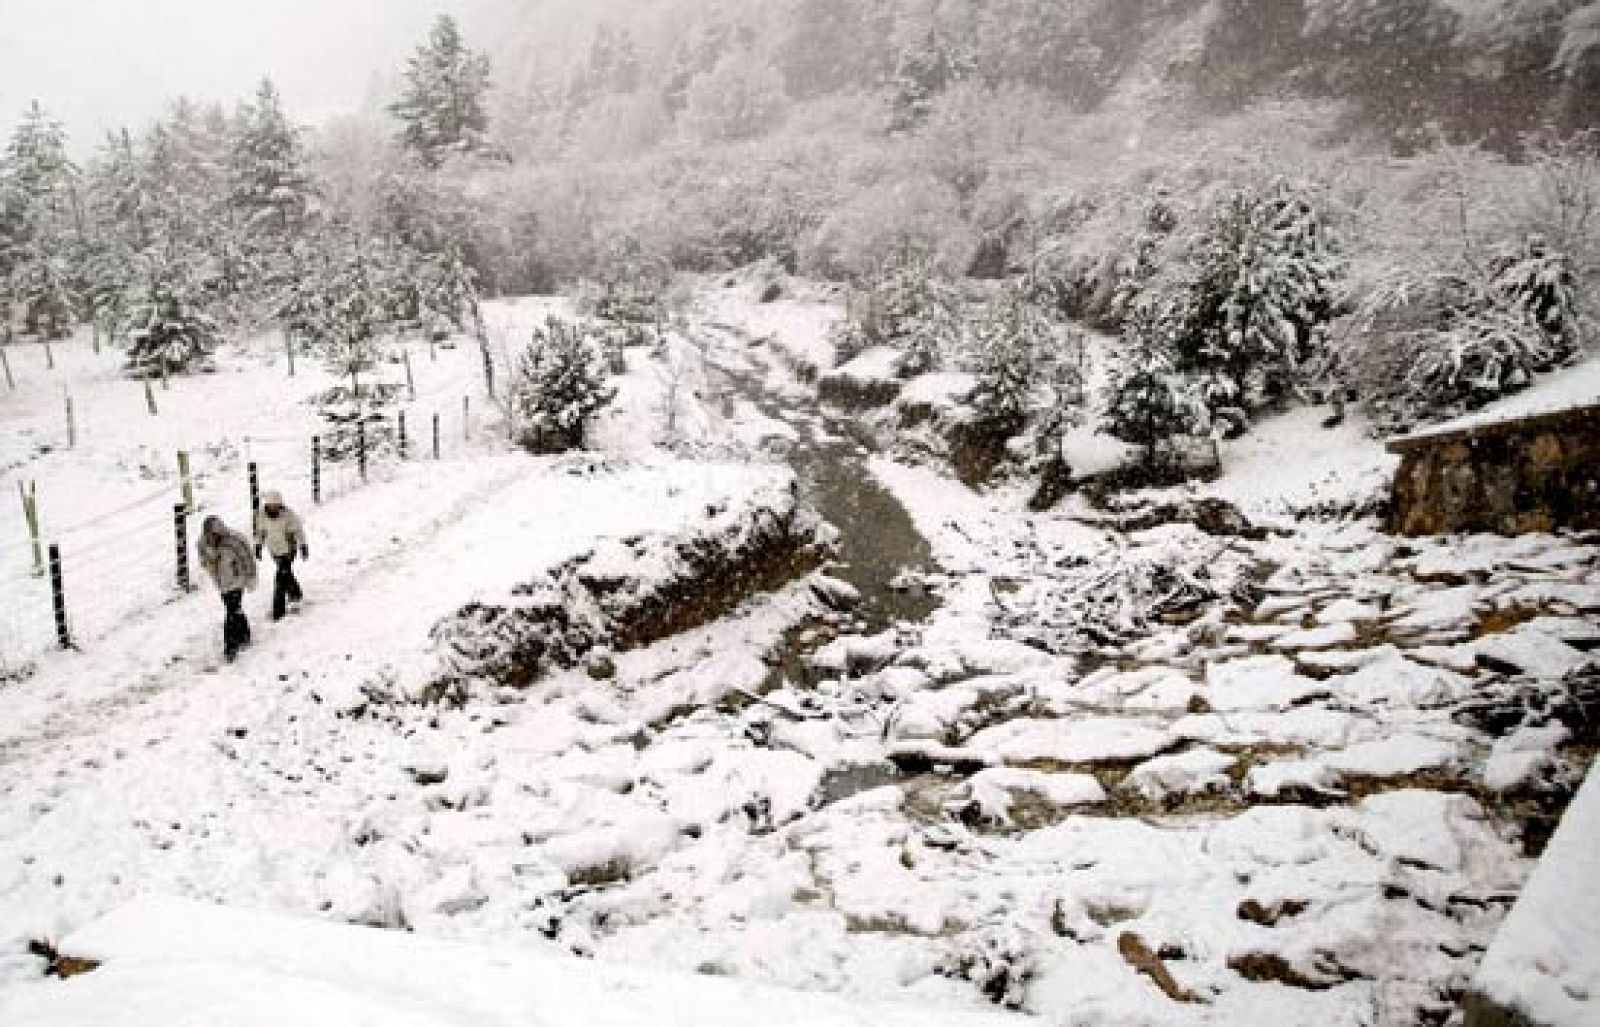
(235, 626)
(285, 589)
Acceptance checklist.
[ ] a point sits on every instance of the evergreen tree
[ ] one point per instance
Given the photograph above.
(442, 106)
(1256, 302)
(558, 385)
(910, 307)
(1149, 401)
(168, 336)
(42, 232)
(1023, 372)
(270, 184)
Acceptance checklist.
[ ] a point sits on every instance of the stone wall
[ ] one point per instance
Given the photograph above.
(1534, 474)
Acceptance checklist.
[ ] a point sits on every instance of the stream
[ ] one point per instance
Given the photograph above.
(878, 543)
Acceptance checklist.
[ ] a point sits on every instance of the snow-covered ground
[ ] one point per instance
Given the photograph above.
(168, 962)
(1124, 774)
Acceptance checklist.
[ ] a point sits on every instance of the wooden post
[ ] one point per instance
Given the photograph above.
(185, 481)
(433, 349)
(411, 383)
(488, 366)
(400, 425)
(166, 383)
(255, 495)
(180, 544)
(466, 417)
(58, 598)
(436, 434)
(94, 324)
(72, 423)
(30, 513)
(316, 469)
(150, 397)
(5, 361)
(49, 356)
(288, 348)
(361, 449)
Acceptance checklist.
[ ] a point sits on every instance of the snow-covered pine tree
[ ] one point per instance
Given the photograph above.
(42, 230)
(558, 385)
(167, 335)
(1259, 296)
(270, 184)
(1024, 373)
(118, 201)
(1149, 402)
(909, 306)
(441, 108)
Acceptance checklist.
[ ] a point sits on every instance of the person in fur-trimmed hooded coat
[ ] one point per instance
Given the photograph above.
(226, 556)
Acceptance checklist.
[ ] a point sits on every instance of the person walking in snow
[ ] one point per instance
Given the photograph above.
(279, 529)
(226, 556)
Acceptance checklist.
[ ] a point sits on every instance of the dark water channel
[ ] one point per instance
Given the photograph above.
(880, 552)
(878, 544)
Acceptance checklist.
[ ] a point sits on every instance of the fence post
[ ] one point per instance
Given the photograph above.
(316, 469)
(185, 481)
(58, 598)
(488, 366)
(411, 383)
(49, 356)
(255, 495)
(72, 423)
(361, 449)
(288, 348)
(5, 362)
(150, 397)
(466, 417)
(433, 349)
(400, 417)
(166, 382)
(436, 434)
(180, 543)
(30, 513)
(94, 322)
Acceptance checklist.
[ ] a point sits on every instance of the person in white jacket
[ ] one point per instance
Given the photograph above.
(278, 528)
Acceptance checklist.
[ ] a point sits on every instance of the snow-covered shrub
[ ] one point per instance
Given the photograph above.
(998, 960)
(909, 307)
(1435, 342)
(168, 336)
(630, 284)
(1027, 375)
(1256, 296)
(558, 385)
(1149, 403)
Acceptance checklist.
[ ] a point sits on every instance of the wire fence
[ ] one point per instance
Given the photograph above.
(68, 584)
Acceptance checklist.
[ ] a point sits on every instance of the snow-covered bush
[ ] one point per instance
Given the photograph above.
(1257, 296)
(1149, 403)
(630, 284)
(1027, 375)
(168, 336)
(558, 385)
(1434, 342)
(999, 960)
(908, 307)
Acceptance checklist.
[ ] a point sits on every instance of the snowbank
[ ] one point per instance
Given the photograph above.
(168, 961)
(628, 592)
(1544, 964)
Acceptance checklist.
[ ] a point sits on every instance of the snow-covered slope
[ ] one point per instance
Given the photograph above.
(169, 962)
